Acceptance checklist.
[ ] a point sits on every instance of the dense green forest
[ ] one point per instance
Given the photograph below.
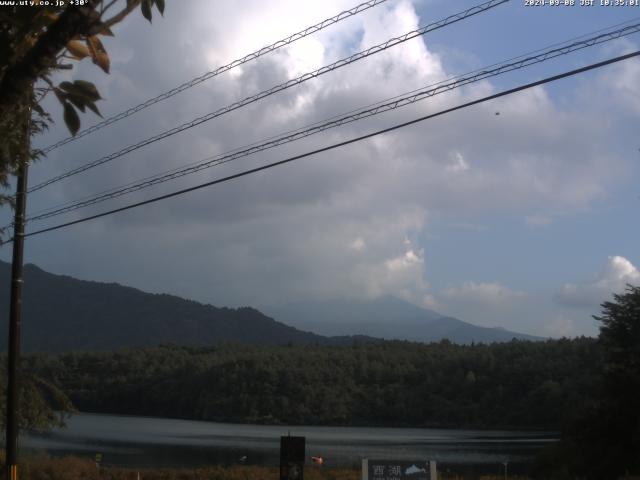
(519, 384)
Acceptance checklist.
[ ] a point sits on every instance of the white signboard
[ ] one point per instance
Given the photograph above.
(398, 470)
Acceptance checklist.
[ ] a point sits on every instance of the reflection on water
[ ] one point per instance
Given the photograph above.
(161, 442)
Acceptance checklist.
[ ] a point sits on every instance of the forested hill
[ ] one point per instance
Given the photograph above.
(61, 313)
(518, 384)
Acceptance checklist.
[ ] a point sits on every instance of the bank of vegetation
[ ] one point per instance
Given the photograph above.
(520, 384)
(77, 468)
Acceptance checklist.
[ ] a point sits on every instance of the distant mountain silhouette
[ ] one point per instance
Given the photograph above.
(385, 317)
(61, 313)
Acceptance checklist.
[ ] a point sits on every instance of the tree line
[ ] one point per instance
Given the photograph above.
(519, 384)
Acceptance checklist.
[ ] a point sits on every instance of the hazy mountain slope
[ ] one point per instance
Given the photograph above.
(385, 317)
(63, 313)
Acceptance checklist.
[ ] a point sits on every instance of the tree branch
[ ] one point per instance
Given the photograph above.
(107, 6)
(118, 17)
(18, 78)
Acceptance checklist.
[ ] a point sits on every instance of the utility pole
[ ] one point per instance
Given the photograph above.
(15, 308)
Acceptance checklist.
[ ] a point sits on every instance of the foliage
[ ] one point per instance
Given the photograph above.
(604, 442)
(518, 384)
(42, 467)
(613, 433)
(37, 41)
(42, 404)
(75, 468)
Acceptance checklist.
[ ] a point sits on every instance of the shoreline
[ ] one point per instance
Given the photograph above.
(525, 431)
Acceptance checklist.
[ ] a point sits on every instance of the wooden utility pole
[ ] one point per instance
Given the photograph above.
(15, 308)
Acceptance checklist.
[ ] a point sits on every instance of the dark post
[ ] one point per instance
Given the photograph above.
(292, 453)
(15, 310)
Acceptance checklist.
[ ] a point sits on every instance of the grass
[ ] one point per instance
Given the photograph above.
(44, 467)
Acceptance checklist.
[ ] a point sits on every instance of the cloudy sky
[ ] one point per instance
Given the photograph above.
(526, 219)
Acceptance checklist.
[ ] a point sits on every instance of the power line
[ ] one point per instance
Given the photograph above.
(260, 142)
(213, 73)
(376, 109)
(341, 144)
(278, 88)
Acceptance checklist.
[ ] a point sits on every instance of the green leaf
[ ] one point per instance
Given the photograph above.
(39, 110)
(81, 89)
(160, 5)
(78, 102)
(93, 108)
(71, 118)
(60, 95)
(88, 89)
(5, 153)
(145, 7)
(98, 53)
(66, 86)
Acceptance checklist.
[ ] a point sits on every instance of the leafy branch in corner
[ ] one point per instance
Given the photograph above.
(39, 42)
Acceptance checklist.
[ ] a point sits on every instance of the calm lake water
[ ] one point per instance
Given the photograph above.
(161, 442)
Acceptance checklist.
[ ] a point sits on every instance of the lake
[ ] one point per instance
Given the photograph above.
(161, 442)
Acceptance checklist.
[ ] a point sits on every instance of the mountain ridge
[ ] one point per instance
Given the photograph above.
(62, 313)
(372, 318)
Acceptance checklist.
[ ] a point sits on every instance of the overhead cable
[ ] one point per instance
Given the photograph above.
(396, 102)
(340, 144)
(278, 88)
(202, 78)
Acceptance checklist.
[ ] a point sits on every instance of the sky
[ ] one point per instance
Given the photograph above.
(520, 212)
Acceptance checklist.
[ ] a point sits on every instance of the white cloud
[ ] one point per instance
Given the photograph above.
(624, 77)
(618, 272)
(422, 166)
(358, 244)
(487, 293)
(404, 262)
(626, 81)
(304, 56)
(401, 274)
(457, 163)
